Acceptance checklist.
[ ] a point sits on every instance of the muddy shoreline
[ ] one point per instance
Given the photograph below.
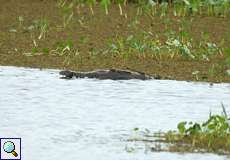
(90, 35)
(175, 70)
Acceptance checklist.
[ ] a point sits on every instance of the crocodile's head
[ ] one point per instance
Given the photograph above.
(66, 74)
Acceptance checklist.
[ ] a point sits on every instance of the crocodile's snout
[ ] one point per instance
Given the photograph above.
(67, 74)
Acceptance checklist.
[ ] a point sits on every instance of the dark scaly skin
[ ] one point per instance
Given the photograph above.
(112, 74)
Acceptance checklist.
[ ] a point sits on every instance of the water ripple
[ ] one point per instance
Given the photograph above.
(88, 118)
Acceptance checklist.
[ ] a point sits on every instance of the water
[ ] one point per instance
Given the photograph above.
(91, 119)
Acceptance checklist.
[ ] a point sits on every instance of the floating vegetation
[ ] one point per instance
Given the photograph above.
(211, 136)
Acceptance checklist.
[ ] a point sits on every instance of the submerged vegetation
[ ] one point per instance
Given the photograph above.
(212, 136)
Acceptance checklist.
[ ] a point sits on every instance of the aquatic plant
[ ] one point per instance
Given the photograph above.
(212, 135)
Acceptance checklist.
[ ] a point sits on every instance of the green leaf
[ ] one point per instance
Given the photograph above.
(105, 3)
(211, 126)
(34, 50)
(45, 50)
(181, 127)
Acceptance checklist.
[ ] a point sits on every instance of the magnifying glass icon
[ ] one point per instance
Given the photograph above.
(9, 147)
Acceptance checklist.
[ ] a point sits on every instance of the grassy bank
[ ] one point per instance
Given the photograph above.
(54, 34)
